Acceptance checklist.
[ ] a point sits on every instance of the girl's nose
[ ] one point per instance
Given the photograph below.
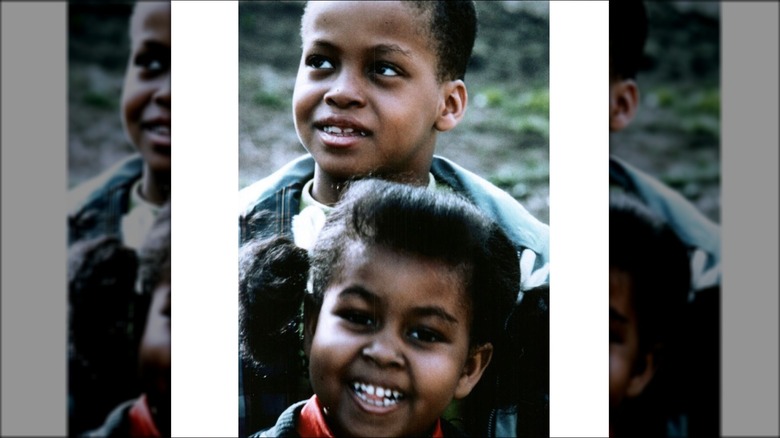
(346, 91)
(384, 349)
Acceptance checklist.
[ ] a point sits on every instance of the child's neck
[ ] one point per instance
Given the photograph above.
(156, 186)
(327, 190)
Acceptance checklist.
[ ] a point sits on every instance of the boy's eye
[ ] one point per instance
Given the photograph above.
(385, 69)
(319, 62)
(425, 334)
(615, 338)
(151, 63)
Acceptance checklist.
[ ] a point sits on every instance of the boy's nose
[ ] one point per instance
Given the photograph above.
(162, 96)
(384, 350)
(345, 92)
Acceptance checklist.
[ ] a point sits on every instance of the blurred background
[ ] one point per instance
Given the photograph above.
(676, 133)
(503, 137)
(98, 49)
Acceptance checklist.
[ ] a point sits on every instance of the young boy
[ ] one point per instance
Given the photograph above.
(398, 320)
(628, 31)
(124, 199)
(376, 83)
(649, 278)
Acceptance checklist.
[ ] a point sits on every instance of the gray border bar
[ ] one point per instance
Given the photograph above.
(33, 218)
(749, 45)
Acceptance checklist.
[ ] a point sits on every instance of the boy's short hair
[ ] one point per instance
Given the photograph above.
(642, 245)
(154, 258)
(627, 36)
(438, 225)
(452, 27)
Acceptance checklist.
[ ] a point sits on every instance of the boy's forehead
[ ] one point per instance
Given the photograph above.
(150, 15)
(394, 14)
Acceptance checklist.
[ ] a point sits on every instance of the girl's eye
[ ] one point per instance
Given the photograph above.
(615, 338)
(319, 62)
(359, 318)
(427, 335)
(385, 69)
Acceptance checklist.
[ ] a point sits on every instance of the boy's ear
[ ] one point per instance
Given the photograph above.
(643, 373)
(311, 314)
(477, 362)
(623, 103)
(455, 97)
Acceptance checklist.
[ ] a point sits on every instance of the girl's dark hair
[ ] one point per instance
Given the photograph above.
(642, 245)
(271, 284)
(438, 225)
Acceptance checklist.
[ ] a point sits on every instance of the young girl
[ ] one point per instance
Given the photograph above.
(408, 295)
(649, 278)
(142, 327)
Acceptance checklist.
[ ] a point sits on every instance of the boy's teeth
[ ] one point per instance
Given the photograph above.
(162, 130)
(337, 130)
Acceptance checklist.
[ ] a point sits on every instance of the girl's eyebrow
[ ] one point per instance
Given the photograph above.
(617, 316)
(358, 292)
(436, 312)
(420, 312)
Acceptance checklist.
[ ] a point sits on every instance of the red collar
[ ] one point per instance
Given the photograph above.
(311, 422)
(141, 421)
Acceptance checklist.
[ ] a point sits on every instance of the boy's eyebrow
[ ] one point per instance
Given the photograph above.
(614, 314)
(391, 49)
(379, 49)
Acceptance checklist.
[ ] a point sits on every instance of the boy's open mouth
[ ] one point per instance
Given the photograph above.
(376, 395)
(335, 130)
(157, 127)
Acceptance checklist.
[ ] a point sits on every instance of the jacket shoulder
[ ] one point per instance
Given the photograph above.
(522, 227)
(122, 174)
(299, 170)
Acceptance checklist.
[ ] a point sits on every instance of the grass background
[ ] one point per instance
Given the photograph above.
(505, 133)
(503, 137)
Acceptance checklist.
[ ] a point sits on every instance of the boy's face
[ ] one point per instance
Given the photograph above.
(367, 99)
(146, 94)
(390, 346)
(155, 356)
(629, 369)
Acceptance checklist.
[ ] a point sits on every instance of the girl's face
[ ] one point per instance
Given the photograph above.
(146, 94)
(389, 348)
(155, 356)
